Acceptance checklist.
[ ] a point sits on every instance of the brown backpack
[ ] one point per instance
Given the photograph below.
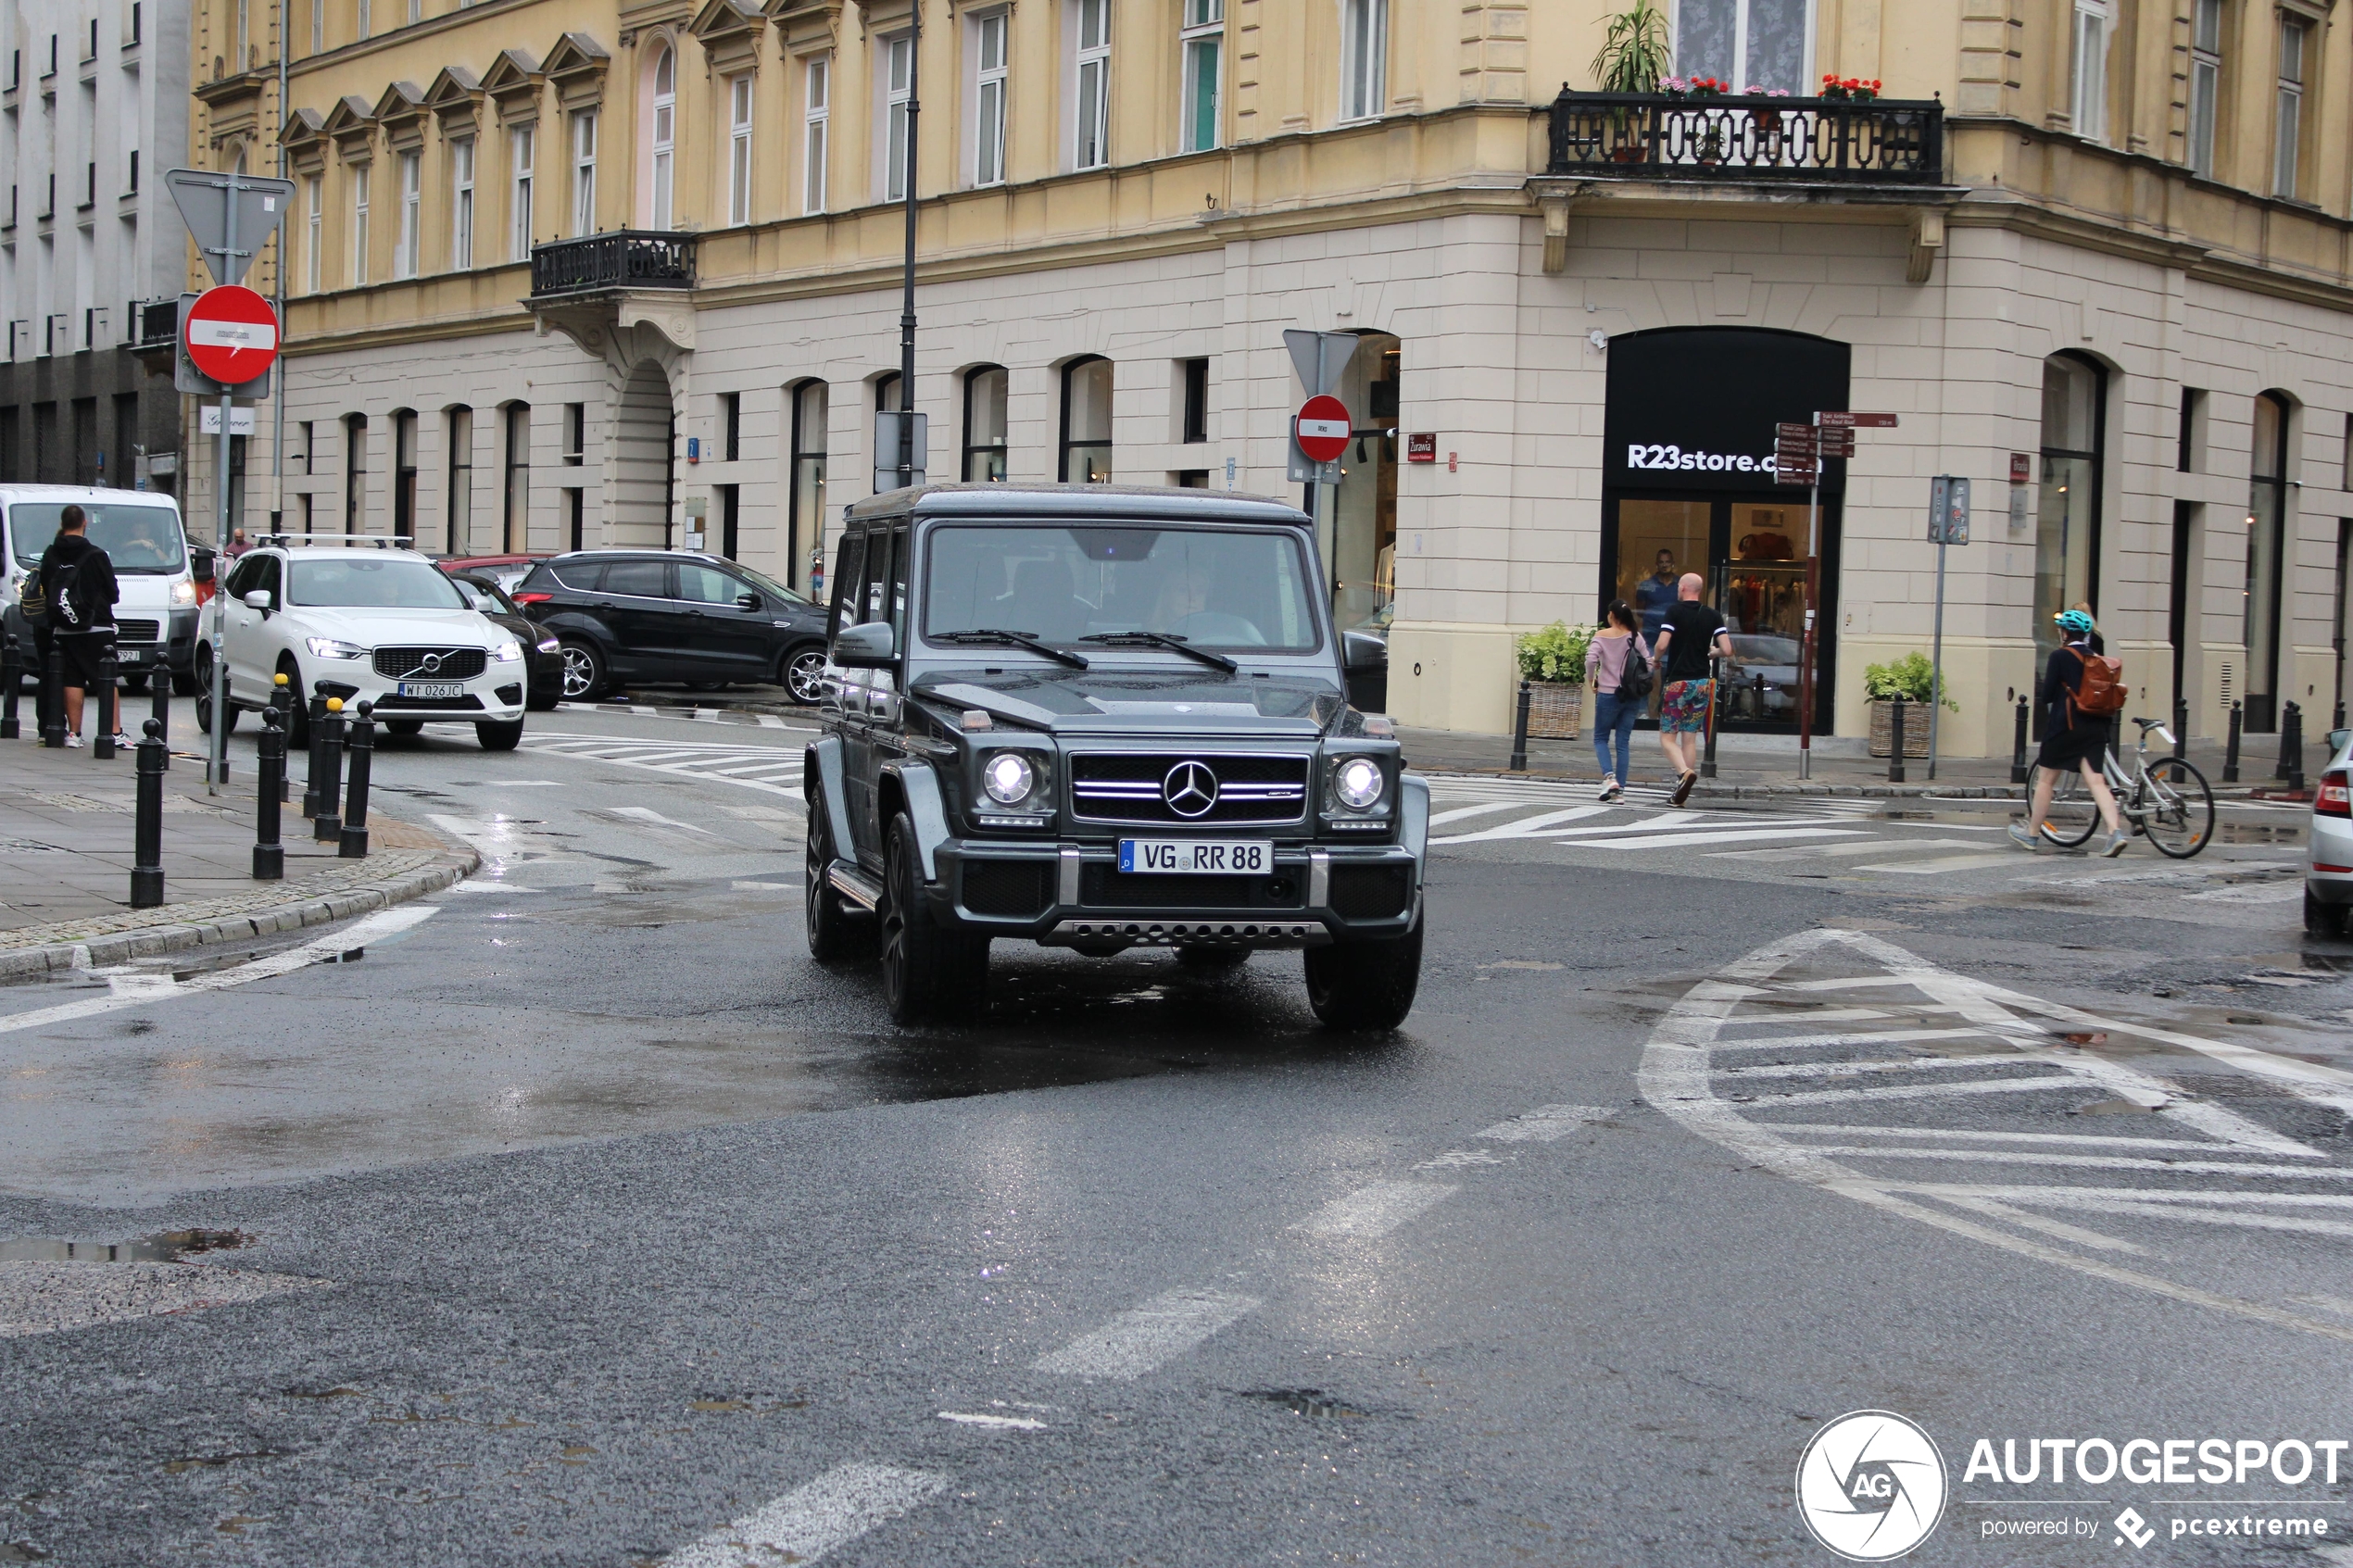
(2102, 690)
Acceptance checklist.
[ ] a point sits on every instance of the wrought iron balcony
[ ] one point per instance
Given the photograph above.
(154, 323)
(1741, 140)
(620, 258)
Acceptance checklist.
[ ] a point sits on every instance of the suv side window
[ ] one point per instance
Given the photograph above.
(847, 565)
(241, 577)
(706, 585)
(581, 577)
(638, 579)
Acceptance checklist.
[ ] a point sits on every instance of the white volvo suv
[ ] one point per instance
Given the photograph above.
(368, 622)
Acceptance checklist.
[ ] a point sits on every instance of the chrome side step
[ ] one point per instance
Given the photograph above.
(854, 885)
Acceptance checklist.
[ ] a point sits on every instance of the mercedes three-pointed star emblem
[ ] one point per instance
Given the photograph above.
(1190, 789)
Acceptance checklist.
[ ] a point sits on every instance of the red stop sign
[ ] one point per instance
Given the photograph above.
(1322, 428)
(232, 334)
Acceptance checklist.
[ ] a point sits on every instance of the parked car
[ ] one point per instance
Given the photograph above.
(547, 659)
(2328, 857)
(505, 571)
(364, 621)
(154, 569)
(673, 615)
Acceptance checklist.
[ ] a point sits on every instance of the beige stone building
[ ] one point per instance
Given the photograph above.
(567, 272)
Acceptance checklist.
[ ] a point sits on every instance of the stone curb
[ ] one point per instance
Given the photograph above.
(149, 941)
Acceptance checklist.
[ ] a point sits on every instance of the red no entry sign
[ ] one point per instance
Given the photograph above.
(232, 334)
(1322, 428)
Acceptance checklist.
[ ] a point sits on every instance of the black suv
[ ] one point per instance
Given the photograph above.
(1096, 717)
(673, 615)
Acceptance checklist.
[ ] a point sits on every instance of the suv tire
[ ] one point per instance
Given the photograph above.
(585, 673)
(298, 714)
(1365, 984)
(834, 933)
(927, 972)
(499, 737)
(802, 672)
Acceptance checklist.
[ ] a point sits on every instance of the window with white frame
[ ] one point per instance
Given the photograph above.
(2088, 110)
(2206, 81)
(520, 149)
(1754, 44)
(315, 231)
(359, 224)
(2288, 123)
(899, 85)
(1203, 42)
(817, 110)
(988, 99)
(665, 135)
(740, 149)
(583, 172)
(1090, 95)
(404, 254)
(1363, 57)
(461, 204)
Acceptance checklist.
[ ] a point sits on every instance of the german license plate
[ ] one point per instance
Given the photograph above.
(430, 689)
(1196, 856)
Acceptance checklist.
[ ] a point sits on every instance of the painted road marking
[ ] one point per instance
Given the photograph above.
(1672, 840)
(1461, 811)
(1546, 1123)
(726, 764)
(1140, 1338)
(803, 1525)
(1524, 826)
(1948, 863)
(648, 814)
(1375, 1210)
(1004, 1422)
(1876, 846)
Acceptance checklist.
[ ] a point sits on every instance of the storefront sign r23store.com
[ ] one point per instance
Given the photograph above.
(1667, 455)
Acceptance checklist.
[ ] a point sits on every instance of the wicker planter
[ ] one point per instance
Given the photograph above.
(1915, 729)
(1554, 708)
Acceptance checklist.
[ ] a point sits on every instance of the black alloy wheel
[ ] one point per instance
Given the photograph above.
(204, 694)
(804, 675)
(1365, 984)
(584, 671)
(834, 933)
(927, 972)
(299, 716)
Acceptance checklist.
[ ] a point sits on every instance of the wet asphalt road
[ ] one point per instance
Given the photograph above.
(636, 1222)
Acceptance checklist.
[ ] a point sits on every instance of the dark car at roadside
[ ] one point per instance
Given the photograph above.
(540, 645)
(623, 616)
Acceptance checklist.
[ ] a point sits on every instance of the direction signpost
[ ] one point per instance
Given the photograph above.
(1799, 451)
(1947, 526)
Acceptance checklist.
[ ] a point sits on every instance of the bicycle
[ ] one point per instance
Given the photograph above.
(2169, 801)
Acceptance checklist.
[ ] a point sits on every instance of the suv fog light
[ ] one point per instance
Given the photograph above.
(1358, 783)
(1008, 778)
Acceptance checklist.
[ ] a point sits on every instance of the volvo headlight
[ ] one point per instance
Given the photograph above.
(508, 652)
(1358, 782)
(333, 647)
(1009, 778)
(184, 593)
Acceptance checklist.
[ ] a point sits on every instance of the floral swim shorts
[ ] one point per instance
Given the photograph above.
(1683, 707)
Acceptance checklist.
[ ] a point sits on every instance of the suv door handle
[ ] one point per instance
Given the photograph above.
(602, 610)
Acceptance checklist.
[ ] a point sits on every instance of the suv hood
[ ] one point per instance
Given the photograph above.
(374, 628)
(1136, 700)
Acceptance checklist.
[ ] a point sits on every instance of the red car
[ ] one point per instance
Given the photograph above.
(505, 571)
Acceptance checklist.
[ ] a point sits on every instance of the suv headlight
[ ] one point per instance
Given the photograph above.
(333, 647)
(1008, 778)
(1358, 782)
(507, 652)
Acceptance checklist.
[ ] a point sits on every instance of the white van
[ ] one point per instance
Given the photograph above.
(142, 532)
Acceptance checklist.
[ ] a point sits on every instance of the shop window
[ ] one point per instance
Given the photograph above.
(985, 394)
(805, 545)
(1194, 411)
(2067, 532)
(1751, 43)
(2270, 486)
(1086, 442)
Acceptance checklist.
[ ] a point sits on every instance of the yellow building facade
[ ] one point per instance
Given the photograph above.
(563, 273)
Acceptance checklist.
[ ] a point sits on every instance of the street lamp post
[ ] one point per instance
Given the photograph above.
(906, 464)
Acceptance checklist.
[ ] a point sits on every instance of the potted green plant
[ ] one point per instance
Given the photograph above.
(1913, 678)
(1636, 52)
(1553, 662)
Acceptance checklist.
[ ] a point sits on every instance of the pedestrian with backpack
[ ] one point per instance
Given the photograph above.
(2080, 693)
(1617, 672)
(78, 587)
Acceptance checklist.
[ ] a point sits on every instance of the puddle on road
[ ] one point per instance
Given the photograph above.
(168, 1247)
(1309, 1402)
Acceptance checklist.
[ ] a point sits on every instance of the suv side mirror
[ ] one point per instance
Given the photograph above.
(200, 563)
(258, 599)
(748, 603)
(1362, 650)
(870, 646)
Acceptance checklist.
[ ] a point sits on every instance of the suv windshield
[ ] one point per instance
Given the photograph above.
(371, 582)
(141, 541)
(1227, 588)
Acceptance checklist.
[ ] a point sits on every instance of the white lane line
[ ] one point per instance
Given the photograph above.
(1972, 1134)
(1546, 1123)
(2092, 1161)
(1926, 1091)
(1140, 1338)
(2015, 1193)
(648, 814)
(1005, 1423)
(1526, 826)
(1878, 845)
(1839, 1068)
(490, 885)
(1375, 1210)
(1817, 1015)
(1885, 1037)
(1455, 1158)
(807, 1523)
(1459, 812)
(1738, 836)
(528, 784)
(156, 988)
(2059, 1228)
(1947, 863)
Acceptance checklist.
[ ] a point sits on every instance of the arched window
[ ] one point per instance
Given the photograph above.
(2268, 511)
(665, 133)
(2066, 535)
(1087, 422)
(985, 389)
(805, 544)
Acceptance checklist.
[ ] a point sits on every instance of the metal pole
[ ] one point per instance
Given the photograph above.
(268, 855)
(216, 771)
(1936, 658)
(353, 844)
(146, 857)
(1813, 585)
(907, 303)
(278, 408)
(1518, 763)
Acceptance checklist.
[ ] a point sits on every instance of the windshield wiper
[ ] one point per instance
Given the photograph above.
(1161, 640)
(1018, 639)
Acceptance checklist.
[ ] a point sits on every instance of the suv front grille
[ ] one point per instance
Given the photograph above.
(1133, 787)
(1107, 888)
(137, 631)
(409, 664)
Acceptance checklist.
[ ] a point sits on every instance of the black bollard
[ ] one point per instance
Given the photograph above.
(281, 695)
(102, 744)
(1518, 764)
(2231, 748)
(318, 771)
(2292, 748)
(362, 749)
(2018, 747)
(1715, 706)
(2181, 726)
(2289, 716)
(1895, 740)
(160, 684)
(11, 677)
(53, 698)
(326, 823)
(147, 860)
(268, 855)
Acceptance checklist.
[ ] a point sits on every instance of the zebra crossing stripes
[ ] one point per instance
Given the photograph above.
(772, 770)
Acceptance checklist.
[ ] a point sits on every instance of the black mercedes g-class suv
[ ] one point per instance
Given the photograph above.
(1098, 717)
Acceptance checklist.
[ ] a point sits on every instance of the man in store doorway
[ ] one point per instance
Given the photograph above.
(1654, 595)
(1688, 632)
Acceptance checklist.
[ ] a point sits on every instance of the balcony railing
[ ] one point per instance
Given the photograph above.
(621, 258)
(1797, 141)
(155, 324)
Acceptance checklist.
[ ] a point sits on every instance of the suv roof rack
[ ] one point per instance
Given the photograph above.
(381, 541)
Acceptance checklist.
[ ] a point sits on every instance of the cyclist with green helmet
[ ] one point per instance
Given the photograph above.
(2072, 740)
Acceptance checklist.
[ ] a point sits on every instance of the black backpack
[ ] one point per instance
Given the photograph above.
(1634, 681)
(69, 608)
